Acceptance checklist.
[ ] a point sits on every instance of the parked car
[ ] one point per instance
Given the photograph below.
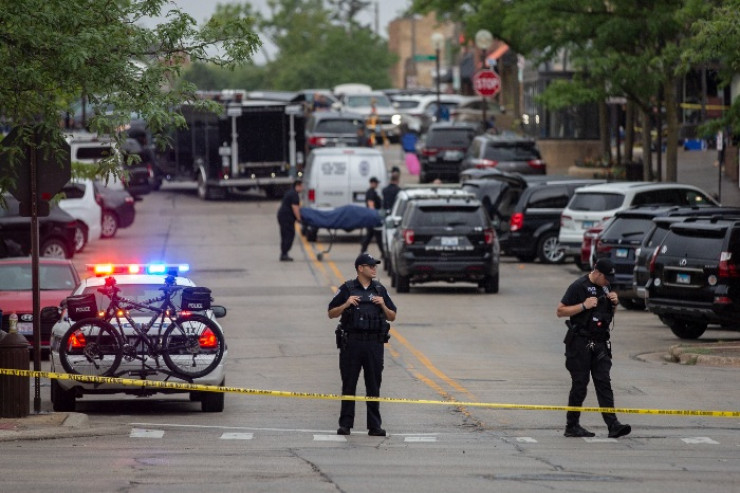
(138, 175)
(118, 209)
(333, 129)
(695, 276)
(56, 232)
(57, 280)
(506, 153)
(363, 103)
(534, 223)
(498, 194)
(471, 110)
(138, 287)
(79, 202)
(442, 149)
(597, 203)
(424, 107)
(445, 239)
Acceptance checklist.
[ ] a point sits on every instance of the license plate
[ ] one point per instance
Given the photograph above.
(683, 279)
(453, 155)
(25, 328)
(449, 241)
(622, 252)
(587, 224)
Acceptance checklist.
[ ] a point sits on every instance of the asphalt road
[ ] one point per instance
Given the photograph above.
(450, 342)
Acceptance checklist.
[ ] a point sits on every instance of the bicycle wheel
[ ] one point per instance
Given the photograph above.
(90, 347)
(193, 346)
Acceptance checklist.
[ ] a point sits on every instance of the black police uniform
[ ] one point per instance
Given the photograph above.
(286, 219)
(366, 331)
(587, 350)
(390, 192)
(372, 196)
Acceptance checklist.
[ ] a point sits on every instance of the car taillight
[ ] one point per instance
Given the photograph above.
(150, 170)
(726, 268)
(600, 247)
(129, 200)
(429, 151)
(652, 259)
(77, 340)
(488, 236)
(722, 300)
(99, 199)
(312, 195)
(317, 141)
(563, 219)
(516, 221)
(408, 236)
(208, 339)
(224, 173)
(536, 163)
(485, 163)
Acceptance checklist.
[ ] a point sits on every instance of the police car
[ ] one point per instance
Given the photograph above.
(138, 282)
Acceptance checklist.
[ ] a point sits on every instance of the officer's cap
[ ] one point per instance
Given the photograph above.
(365, 259)
(606, 267)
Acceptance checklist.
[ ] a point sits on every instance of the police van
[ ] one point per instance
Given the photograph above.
(340, 176)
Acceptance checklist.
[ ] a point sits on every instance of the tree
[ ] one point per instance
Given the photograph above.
(52, 54)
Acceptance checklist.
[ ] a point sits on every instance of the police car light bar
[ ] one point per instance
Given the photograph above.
(110, 269)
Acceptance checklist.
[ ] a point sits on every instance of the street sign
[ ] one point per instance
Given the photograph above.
(486, 83)
(425, 58)
(52, 170)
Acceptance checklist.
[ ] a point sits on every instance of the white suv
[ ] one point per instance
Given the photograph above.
(80, 203)
(595, 204)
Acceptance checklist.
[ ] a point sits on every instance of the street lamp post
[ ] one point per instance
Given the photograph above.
(483, 40)
(438, 40)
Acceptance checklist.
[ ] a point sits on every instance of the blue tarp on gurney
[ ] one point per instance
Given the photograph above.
(347, 217)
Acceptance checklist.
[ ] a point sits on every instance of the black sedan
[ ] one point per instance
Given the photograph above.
(118, 209)
(56, 232)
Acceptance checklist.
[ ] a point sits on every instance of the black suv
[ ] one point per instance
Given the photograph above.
(446, 239)
(506, 153)
(332, 129)
(442, 150)
(56, 232)
(534, 222)
(695, 276)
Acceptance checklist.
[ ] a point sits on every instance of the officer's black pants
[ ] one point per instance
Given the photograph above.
(372, 233)
(366, 356)
(287, 235)
(582, 363)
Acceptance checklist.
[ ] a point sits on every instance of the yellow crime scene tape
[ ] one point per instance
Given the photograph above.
(333, 397)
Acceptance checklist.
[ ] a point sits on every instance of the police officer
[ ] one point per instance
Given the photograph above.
(365, 309)
(590, 305)
(373, 201)
(288, 213)
(390, 191)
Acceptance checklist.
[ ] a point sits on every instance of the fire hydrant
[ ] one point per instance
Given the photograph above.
(14, 391)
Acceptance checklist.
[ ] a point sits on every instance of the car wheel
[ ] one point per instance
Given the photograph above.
(490, 284)
(54, 248)
(402, 283)
(687, 330)
(109, 224)
(212, 402)
(80, 237)
(63, 400)
(549, 250)
(632, 303)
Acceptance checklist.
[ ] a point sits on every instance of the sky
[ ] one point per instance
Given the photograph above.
(201, 10)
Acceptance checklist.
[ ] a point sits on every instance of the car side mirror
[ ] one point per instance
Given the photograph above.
(50, 314)
(218, 311)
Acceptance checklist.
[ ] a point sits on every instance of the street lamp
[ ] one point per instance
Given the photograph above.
(483, 40)
(438, 40)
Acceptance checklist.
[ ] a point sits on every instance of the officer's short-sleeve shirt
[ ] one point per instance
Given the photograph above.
(577, 293)
(342, 295)
(372, 195)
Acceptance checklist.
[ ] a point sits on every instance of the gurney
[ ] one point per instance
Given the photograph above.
(347, 217)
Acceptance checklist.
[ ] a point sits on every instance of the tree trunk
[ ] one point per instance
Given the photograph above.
(671, 114)
(629, 132)
(647, 154)
(606, 148)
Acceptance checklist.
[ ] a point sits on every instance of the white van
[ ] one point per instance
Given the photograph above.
(337, 176)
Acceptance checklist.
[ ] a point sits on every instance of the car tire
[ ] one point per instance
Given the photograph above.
(632, 304)
(109, 224)
(490, 284)
(549, 250)
(687, 330)
(402, 283)
(63, 400)
(54, 248)
(212, 402)
(80, 236)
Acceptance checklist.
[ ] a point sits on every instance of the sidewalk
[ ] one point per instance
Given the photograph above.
(698, 168)
(45, 426)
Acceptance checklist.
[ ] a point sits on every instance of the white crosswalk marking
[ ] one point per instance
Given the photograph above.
(599, 440)
(329, 438)
(237, 436)
(145, 433)
(700, 440)
(526, 440)
(420, 439)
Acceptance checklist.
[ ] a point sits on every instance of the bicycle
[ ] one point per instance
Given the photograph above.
(191, 346)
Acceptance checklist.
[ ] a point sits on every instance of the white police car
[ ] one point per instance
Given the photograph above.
(138, 282)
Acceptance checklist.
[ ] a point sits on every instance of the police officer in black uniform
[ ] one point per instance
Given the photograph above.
(590, 305)
(365, 309)
(288, 213)
(373, 201)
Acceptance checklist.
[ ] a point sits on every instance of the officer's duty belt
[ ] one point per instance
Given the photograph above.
(366, 336)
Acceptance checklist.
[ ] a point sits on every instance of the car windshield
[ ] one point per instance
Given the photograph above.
(17, 277)
(406, 104)
(449, 216)
(338, 126)
(596, 201)
(631, 228)
(359, 101)
(511, 153)
(135, 292)
(450, 137)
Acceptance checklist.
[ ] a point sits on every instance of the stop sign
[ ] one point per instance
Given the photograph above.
(486, 83)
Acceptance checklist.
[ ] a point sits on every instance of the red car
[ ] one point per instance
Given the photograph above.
(588, 247)
(57, 279)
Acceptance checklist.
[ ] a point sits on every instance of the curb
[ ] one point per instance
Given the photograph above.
(71, 426)
(701, 355)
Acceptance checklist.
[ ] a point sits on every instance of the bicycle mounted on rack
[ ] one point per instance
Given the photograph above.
(191, 345)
